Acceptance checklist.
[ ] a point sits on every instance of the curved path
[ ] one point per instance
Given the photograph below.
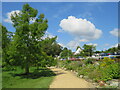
(66, 79)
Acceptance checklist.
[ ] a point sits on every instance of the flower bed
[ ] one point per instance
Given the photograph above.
(103, 70)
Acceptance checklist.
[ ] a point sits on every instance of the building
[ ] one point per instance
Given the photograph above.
(78, 51)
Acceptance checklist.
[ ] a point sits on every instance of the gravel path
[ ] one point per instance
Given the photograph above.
(66, 79)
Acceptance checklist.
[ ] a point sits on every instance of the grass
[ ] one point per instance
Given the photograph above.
(41, 78)
(0, 73)
(0, 78)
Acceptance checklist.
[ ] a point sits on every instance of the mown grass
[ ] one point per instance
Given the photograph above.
(41, 78)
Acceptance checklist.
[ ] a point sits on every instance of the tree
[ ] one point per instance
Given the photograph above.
(51, 47)
(88, 49)
(98, 51)
(6, 38)
(66, 53)
(78, 47)
(112, 50)
(25, 45)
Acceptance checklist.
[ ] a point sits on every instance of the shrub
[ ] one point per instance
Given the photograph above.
(86, 69)
(8, 68)
(73, 65)
(112, 71)
(107, 70)
(105, 73)
(95, 75)
(106, 61)
(88, 61)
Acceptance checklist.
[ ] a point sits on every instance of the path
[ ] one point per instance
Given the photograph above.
(66, 79)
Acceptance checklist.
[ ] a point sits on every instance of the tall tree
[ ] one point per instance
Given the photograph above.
(27, 36)
(88, 49)
(112, 50)
(51, 47)
(66, 53)
(6, 38)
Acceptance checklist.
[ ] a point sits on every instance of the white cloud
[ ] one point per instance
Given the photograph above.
(8, 19)
(47, 34)
(83, 40)
(92, 44)
(80, 28)
(115, 32)
(106, 44)
(60, 30)
(73, 44)
(115, 45)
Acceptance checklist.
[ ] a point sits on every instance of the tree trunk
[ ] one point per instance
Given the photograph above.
(27, 69)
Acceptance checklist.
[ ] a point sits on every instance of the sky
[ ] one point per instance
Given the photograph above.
(74, 23)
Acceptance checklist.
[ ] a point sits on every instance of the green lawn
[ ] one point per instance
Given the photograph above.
(36, 79)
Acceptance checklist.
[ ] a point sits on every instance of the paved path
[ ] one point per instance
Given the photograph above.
(66, 79)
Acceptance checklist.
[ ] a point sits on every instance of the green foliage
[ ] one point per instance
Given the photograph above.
(89, 61)
(74, 65)
(51, 47)
(25, 50)
(27, 46)
(112, 50)
(85, 70)
(107, 70)
(66, 53)
(88, 50)
(106, 61)
(6, 38)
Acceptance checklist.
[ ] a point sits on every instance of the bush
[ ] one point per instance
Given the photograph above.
(88, 61)
(106, 61)
(8, 68)
(107, 70)
(85, 70)
(74, 65)
(111, 71)
(95, 75)
(105, 73)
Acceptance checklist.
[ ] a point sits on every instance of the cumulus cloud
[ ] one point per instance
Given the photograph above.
(92, 44)
(80, 28)
(73, 44)
(106, 44)
(115, 45)
(47, 34)
(60, 30)
(8, 15)
(8, 19)
(115, 32)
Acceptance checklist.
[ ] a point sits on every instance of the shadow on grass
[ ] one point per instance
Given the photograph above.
(36, 74)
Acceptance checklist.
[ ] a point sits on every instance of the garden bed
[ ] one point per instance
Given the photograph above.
(98, 72)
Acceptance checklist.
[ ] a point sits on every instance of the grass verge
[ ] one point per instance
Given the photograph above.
(41, 78)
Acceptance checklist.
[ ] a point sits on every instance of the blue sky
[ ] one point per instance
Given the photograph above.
(103, 16)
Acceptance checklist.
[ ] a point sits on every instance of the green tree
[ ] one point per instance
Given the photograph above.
(6, 38)
(112, 50)
(66, 53)
(51, 47)
(25, 50)
(88, 49)
(98, 51)
(78, 47)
